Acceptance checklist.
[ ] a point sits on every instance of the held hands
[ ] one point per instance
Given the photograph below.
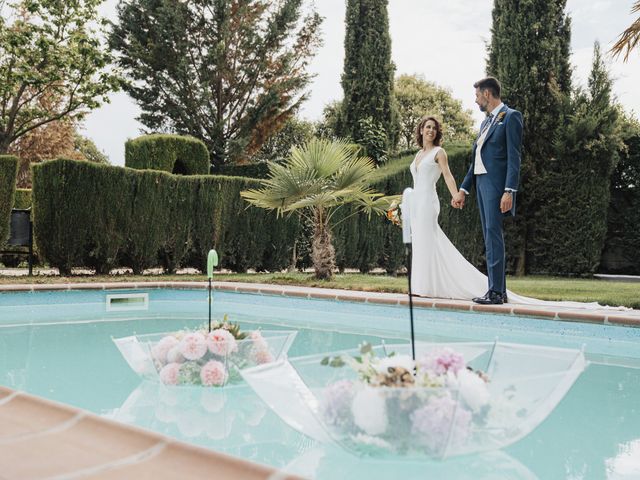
(457, 201)
(506, 202)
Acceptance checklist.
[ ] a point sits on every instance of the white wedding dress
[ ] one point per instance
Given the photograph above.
(438, 269)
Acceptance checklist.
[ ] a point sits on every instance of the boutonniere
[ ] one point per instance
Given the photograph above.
(500, 117)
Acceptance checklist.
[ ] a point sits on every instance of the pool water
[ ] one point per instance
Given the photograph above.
(58, 345)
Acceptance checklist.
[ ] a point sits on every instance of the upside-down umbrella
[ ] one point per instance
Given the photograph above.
(332, 405)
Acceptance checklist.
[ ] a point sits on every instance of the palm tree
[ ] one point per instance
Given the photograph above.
(629, 38)
(315, 181)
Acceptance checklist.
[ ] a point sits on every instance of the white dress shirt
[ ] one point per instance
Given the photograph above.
(479, 168)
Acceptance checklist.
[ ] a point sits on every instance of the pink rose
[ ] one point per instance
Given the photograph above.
(193, 346)
(174, 355)
(262, 356)
(160, 349)
(221, 342)
(258, 340)
(442, 361)
(169, 374)
(213, 373)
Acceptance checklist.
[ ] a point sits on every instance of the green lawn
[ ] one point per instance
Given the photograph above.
(548, 288)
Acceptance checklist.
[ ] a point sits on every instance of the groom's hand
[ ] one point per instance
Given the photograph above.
(457, 201)
(506, 202)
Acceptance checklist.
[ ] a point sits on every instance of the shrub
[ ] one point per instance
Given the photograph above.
(103, 217)
(168, 153)
(22, 199)
(8, 172)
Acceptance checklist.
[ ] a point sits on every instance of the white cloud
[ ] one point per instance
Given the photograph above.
(442, 40)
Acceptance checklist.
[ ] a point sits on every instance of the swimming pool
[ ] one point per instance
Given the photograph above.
(58, 345)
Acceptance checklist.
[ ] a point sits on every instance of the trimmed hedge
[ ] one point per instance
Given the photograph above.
(252, 170)
(168, 153)
(8, 173)
(621, 252)
(22, 198)
(102, 217)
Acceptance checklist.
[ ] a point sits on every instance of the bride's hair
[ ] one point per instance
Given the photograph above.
(437, 140)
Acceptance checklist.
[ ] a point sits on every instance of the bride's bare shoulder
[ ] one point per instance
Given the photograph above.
(441, 154)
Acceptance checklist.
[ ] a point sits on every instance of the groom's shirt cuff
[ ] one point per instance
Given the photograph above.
(510, 190)
(464, 191)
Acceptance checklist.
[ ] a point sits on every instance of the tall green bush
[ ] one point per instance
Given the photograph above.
(22, 199)
(621, 253)
(103, 217)
(569, 227)
(367, 78)
(168, 153)
(8, 172)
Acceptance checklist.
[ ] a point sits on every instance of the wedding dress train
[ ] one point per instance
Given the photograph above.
(438, 269)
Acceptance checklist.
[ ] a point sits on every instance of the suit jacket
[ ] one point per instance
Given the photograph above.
(501, 153)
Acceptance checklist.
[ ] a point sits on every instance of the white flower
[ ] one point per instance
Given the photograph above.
(403, 361)
(472, 389)
(369, 411)
(374, 441)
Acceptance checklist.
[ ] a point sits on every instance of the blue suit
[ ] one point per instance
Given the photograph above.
(500, 153)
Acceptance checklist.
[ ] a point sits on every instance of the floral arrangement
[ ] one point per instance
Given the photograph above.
(393, 214)
(203, 357)
(401, 405)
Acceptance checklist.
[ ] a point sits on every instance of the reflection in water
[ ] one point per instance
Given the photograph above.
(234, 420)
(626, 464)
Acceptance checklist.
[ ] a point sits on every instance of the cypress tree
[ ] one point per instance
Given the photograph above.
(570, 225)
(367, 79)
(529, 54)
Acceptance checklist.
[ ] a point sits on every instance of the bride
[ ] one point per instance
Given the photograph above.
(438, 269)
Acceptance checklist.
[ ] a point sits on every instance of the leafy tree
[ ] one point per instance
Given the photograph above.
(328, 126)
(622, 244)
(529, 54)
(89, 151)
(367, 78)
(570, 225)
(228, 72)
(315, 182)
(52, 140)
(295, 132)
(52, 64)
(630, 37)
(417, 97)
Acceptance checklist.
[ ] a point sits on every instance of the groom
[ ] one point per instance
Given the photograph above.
(494, 170)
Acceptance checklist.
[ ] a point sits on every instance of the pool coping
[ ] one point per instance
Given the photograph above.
(628, 318)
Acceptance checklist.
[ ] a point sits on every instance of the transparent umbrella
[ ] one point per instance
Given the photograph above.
(437, 407)
(209, 359)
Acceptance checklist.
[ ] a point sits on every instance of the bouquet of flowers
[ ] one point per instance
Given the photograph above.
(202, 357)
(393, 214)
(398, 405)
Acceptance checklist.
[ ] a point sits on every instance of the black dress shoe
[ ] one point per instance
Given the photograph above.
(484, 297)
(491, 298)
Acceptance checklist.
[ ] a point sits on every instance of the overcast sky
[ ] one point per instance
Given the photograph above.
(444, 40)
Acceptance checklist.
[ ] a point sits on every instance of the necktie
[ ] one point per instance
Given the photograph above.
(487, 124)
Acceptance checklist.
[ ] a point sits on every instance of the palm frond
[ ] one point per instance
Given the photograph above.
(320, 174)
(628, 39)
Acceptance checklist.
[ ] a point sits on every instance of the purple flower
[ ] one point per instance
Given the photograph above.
(336, 402)
(435, 426)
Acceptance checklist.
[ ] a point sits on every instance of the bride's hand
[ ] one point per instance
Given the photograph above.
(457, 201)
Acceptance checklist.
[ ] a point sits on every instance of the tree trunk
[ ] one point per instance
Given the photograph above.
(323, 255)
